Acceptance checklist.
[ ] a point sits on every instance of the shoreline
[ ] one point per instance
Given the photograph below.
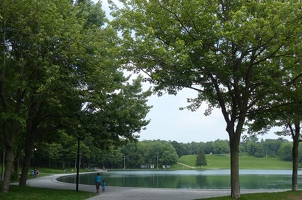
(137, 193)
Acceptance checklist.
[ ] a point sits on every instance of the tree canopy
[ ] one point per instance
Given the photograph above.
(232, 53)
(58, 71)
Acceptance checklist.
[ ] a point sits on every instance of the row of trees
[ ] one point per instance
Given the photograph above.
(250, 145)
(154, 153)
(60, 81)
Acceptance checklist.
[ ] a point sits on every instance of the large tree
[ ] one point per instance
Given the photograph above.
(227, 51)
(282, 107)
(58, 70)
(34, 44)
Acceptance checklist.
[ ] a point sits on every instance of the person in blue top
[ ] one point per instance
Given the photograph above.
(98, 180)
(103, 185)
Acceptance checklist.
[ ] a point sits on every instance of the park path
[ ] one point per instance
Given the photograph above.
(185, 165)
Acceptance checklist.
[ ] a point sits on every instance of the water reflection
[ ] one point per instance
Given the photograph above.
(194, 179)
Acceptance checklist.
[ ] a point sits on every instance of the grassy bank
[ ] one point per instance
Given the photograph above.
(265, 196)
(31, 193)
(43, 171)
(245, 162)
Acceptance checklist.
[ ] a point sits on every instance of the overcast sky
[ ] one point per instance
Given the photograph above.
(170, 123)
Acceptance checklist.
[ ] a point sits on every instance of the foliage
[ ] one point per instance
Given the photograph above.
(201, 158)
(38, 77)
(59, 70)
(150, 153)
(118, 116)
(233, 53)
(255, 149)
(180, 148)
(285, 151)
(221, 147)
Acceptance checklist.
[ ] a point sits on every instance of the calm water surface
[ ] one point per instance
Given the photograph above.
(193, 179)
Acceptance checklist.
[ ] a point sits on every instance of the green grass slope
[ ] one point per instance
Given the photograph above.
(223, 162)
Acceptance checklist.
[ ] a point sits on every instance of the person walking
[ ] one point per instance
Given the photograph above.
(103, 185)
(98, 180)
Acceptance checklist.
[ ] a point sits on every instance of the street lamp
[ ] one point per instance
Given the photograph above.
(124, 162)
(35, 162)
(157, 161)
(78, 161)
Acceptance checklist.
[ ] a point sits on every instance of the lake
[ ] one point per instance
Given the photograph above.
(191, 179)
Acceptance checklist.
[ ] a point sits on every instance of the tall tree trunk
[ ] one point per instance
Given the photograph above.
(25, 165)
(234, 150)
(295, 151)
(9, 141)
(234, 139)
(31, 132)
(29, 148)
(9, 164)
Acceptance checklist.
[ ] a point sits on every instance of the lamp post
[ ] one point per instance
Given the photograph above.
(124, 162)
(35, 162)
(78, 162)
(157, 161)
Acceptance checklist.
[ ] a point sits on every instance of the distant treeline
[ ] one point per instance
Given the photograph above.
(155, 153)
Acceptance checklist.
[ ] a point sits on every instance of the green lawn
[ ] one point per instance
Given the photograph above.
(48, 171)
(43, 171)
(245, 162)
(28, 193)
(31, 193)
(265, 196)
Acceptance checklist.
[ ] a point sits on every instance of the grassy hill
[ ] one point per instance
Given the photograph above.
(223, 162)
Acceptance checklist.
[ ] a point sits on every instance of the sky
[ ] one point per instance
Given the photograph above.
(184, 126)
(170, 123)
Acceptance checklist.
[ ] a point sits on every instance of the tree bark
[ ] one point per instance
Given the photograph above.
(295, 151)
(31, 128)
(25, 167)
(9, 164)
(234, 150)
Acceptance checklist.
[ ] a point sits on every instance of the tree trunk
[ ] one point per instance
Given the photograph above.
(296, 137)
(25, 168)
(29, 148)
(9, 164)
(235, 183)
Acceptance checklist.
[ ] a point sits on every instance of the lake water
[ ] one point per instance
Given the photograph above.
(193, 179)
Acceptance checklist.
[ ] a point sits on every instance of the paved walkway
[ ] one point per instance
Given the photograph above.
(133, 193)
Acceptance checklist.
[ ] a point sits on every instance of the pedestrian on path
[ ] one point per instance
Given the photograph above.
(98, 180)
(103, 185)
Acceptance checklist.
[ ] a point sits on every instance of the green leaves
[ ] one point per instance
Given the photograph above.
(231, 52)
